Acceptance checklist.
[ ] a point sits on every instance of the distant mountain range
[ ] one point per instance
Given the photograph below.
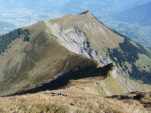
(5, 27)
(135, 23)
(136, 32)
(137, 15)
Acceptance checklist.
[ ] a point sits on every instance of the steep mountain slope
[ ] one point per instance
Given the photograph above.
(105, 42)
(39, 54)
(27, 63)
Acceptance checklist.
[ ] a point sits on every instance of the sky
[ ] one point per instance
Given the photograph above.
(53, 8)
(25, 12)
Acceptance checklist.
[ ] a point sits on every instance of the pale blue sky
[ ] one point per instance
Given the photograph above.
(24, 12)
(69, 6)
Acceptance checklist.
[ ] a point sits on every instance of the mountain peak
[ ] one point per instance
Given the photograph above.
(85, 12)
(61, 49)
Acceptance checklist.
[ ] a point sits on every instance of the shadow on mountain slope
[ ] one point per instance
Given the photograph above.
(142, 97)
(128, 53)
(5, 40)
(64, 79)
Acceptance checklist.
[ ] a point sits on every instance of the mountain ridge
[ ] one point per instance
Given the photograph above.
(42, 52)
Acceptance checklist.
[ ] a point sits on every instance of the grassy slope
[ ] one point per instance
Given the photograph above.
(67, 101)
(27, 64)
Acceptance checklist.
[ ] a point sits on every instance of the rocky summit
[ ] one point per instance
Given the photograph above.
(75, 54)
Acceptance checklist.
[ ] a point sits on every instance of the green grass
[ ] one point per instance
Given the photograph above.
(144, 62)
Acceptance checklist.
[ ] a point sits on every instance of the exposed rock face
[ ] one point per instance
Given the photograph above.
(106, 45)
(38, 54)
